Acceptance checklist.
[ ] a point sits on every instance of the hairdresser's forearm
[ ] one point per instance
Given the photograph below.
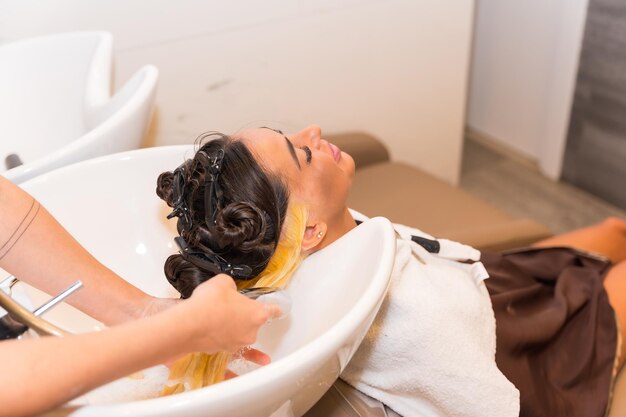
(47, 257)
(59, 369)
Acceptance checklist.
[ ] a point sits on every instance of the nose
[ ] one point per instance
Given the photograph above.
(310, 135)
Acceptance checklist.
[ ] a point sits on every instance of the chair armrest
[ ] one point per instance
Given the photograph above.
(364, 148)
(503, 235)
(407, 195)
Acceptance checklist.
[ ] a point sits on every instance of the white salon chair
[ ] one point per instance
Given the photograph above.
(117, 216)
(56, 105)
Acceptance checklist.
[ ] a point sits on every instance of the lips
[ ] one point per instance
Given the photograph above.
(336, 151)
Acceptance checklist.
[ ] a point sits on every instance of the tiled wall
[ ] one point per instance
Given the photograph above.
(595, 156)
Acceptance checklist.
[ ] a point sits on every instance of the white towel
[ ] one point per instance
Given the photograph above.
(431, 349)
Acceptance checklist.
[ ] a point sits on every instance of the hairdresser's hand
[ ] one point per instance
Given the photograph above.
(224, 319)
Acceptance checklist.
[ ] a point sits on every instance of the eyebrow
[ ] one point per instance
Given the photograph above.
(292, 149)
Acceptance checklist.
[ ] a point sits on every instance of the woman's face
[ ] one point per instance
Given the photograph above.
(317, 172)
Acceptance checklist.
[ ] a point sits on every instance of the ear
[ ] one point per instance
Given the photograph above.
(313, 236)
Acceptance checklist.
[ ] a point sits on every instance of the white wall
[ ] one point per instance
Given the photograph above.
(523, 73)
(395, 68)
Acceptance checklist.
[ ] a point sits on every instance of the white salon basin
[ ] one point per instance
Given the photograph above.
(109, 204)
(56, 106)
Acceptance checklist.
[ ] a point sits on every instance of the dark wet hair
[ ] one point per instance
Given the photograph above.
(248, 218)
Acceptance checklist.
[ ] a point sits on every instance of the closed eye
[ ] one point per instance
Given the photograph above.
(308, 153)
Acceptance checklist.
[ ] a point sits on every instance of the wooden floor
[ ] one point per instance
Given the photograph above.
(521, 190)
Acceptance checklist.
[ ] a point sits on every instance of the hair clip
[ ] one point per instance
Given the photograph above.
(212, 194)
(212, 262)
(216, 164)
(213, 191)
(179, 205)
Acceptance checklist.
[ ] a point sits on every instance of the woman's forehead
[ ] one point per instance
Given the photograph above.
(269, 148)
(259, 141)
(255, 134)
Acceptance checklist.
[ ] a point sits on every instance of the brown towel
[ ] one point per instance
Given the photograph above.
(556, 331)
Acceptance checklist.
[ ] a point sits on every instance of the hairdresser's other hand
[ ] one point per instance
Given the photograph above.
(155, 305)
(251, 355)
(224, 319)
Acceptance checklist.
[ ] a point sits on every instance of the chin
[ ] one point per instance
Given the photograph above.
(348, 162)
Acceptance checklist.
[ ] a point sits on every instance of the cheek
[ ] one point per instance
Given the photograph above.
(321, 189)
(337, 185)
(326, 189)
